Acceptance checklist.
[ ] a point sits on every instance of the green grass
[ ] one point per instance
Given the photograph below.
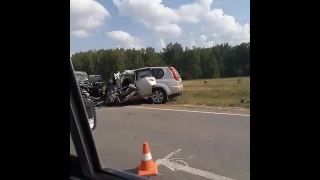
(224, 92)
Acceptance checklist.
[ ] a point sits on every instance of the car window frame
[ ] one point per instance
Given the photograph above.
(83, 139)
(154, 74)
(144, 69)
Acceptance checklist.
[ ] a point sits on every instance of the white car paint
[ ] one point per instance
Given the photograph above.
(144, 86)
(168, 83)
(166, 78)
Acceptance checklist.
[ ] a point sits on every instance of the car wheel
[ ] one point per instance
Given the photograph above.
(159, 96)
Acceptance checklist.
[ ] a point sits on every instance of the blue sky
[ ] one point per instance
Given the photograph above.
(131, 24)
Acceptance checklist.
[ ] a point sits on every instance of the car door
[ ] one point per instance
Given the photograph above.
(145, 81)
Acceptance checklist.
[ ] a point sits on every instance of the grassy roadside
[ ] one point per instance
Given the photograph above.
(224, 92)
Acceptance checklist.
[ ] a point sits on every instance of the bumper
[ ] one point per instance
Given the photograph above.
(176, 95)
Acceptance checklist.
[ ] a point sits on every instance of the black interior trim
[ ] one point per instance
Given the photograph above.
(81, 132)
(75, 167)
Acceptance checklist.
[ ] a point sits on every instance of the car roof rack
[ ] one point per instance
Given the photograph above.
(83, 139)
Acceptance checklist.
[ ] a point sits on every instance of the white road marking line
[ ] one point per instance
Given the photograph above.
(182, 110)
(179, 167)
(205, 174)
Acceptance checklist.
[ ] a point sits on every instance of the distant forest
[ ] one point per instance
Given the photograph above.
(218, 61)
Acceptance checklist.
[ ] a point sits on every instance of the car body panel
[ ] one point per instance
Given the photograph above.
(145, 85)
(168, 83)
(146, 80)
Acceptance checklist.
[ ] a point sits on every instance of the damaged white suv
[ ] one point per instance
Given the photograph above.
(156, 83)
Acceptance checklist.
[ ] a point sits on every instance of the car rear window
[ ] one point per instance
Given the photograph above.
(144, 73)
(158, 73)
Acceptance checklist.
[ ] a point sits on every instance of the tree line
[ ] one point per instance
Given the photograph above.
(218, 61)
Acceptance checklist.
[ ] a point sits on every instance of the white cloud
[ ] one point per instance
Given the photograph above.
(224, 28)
(71, 53)
(125, 40)
(80, 33)
(152, 14)
(164, 21)
(201, 41)
(168, 30)
(86, 15)
(161, 44)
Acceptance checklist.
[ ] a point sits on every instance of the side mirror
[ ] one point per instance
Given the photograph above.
(91, 113)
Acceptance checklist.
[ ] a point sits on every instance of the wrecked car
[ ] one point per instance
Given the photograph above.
(159, 84)
(97, 86)
(82, 80)
(128, 86)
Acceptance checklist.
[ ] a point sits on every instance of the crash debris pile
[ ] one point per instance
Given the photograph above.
(122, 88)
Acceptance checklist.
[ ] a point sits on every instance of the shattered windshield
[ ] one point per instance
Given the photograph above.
(95, 78)
(81, 77)
(127, 74)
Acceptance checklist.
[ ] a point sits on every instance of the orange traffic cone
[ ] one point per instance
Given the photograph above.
(147, 166)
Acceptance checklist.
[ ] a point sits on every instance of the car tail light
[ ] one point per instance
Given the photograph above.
(174, 73)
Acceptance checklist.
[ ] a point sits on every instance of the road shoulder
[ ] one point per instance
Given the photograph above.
(234, 110)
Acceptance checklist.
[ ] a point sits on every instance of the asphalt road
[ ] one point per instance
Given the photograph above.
(215, 143)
